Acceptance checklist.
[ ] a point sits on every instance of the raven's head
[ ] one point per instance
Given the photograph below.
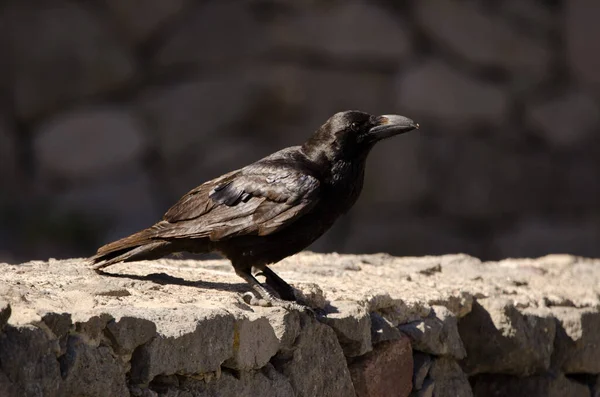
(352, 134)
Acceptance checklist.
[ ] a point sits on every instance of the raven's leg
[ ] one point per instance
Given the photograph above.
(265, 294)
(285, 291)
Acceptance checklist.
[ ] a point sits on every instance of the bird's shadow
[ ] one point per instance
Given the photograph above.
(241, 288)
(166, 279)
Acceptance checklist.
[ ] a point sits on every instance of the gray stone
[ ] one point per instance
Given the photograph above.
(383, 330)
(449, 379)
(482, 38)
(286, 325)
(311, 295)
(8, 388)
(204, 27)
(352, 325)
(436, 92)
(566, 121)
(577, 343)
(86, 143)
(581, 30)
(92, 327)
(386, 371)
(501, 339)
(313, 373)
(59, 323)
(332, 31)
(129, 332)
(5, 312)
(195, 306)
(194, 350)
(75, 66)
(421, 364)
(140, 19)
(539, 385)
(254, 343)
(91, 371)
(266, 382)
(28, 358)
(437, 334)
(426, 391)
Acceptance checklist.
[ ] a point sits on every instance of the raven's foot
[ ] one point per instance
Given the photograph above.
(272, 301)
(262, 296)
(283, 289)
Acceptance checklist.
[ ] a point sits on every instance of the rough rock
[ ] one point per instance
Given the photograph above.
(287, 327)
(166, 326)
(426, 391)
(501, 339)
(28, 358)
(436, 91)
(581, 30)
(331, 31)
(541, 385)
(449, 380)
(577, 343)
(565, 121)
(129, 332)
(254, 343)
(436, 334)
(76, 66)
(386, 371)
(495, 43)
(266, 382)
(313, 373)
(201, 348)
(5, 312)
(421, 364)
(352, 325)
(93, 369)
(105, 139)
(383, 330)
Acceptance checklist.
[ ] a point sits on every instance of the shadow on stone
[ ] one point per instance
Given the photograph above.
(164, 279)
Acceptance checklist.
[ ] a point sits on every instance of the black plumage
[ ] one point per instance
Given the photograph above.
(268, 210)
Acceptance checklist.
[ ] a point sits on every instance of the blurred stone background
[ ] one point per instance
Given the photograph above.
(110, 110)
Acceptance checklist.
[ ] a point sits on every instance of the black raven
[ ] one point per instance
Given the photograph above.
(268, 210)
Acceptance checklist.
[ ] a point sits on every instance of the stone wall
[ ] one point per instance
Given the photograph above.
(112, 109)
(448, 326)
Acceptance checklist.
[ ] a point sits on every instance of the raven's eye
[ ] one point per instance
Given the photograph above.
(354, 126)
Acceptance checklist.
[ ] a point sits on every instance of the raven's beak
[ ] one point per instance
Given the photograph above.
(390, 124)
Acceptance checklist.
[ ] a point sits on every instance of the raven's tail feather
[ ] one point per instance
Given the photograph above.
(143, 245)
(152, 250)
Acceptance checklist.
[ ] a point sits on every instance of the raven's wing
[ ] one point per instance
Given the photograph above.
(257, 200)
